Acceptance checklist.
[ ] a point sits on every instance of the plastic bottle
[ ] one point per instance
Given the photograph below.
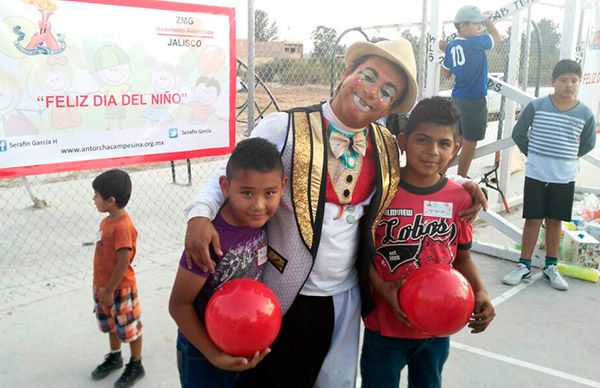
(577, 272)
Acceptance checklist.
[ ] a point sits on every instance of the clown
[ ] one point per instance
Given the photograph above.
(343, 172)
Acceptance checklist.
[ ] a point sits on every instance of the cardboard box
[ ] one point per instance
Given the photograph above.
(593, 228)
(580, 248)
(542, 234)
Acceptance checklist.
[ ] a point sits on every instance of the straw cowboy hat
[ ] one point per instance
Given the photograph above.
(398, 51)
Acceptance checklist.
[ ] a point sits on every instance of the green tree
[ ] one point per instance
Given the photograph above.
(414, 40)
(549, 53)
(324, 39)
(546, 55)
(498, 55)
(264, 30)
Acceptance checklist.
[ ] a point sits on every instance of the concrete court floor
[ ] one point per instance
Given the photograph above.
(540, 336)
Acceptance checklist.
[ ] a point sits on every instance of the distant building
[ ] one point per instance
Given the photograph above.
(265, 51)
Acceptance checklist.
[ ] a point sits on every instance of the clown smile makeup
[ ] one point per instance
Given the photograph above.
(361, 104)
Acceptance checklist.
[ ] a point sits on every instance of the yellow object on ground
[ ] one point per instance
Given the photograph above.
(574, 271)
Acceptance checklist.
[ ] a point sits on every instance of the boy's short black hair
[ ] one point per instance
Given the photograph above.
(566, 66)
(114, 183)
(396, 123)
(437, 110)
(254, 154)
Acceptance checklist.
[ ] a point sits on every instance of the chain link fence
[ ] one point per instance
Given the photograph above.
(49, 222)
(48, 233)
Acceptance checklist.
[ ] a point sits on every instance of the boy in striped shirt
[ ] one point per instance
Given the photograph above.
(553, 132)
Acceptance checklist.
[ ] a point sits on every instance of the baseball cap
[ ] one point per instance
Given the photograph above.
(469, 13)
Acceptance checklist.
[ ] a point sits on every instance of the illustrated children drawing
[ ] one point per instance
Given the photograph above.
(420, 227)
(164, 78)
(206, 94)
(553, 132)
(14, 120)
(253, 186)
(113, 69)
(117, 307)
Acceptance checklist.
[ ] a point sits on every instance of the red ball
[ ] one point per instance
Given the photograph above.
(243, 316)
(437, 299)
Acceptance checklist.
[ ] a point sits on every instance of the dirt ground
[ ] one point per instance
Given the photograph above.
(286, 96)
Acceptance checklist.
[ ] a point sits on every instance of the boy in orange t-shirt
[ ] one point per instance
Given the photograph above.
(115, 292)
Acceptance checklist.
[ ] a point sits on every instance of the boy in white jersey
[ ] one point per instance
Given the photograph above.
(465, 57)
(554, 132)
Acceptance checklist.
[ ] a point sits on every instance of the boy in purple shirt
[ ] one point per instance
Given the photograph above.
(253, 186)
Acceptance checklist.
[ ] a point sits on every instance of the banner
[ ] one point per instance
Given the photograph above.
(97, 83)
(589, 90)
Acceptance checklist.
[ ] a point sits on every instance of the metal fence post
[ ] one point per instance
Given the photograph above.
(250, 66)
(422, 59)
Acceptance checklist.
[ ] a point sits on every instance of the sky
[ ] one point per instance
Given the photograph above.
(297, 19)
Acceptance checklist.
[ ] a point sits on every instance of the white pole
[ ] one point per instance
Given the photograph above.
(567, 46)
(423, 52)
(250, 66)
(526, 53)
(433, 69)
(509, 118)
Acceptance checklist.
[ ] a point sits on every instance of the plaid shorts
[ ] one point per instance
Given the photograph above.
(123, 317)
